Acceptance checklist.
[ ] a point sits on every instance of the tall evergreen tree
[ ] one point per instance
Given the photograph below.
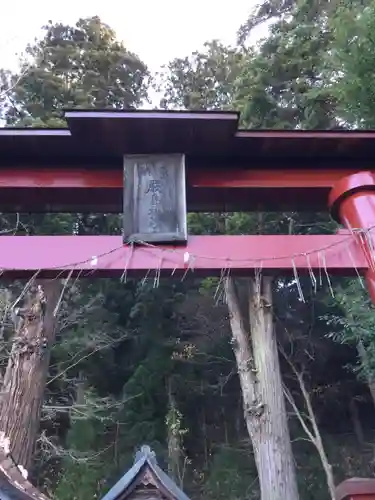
(71, 66)
(82, 66)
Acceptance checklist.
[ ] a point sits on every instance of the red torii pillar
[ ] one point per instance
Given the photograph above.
(356, 489)
(352, 203)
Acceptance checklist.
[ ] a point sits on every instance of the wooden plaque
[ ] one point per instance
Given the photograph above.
(155, 199)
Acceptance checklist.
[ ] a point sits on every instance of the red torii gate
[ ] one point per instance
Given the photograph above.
(81, 169)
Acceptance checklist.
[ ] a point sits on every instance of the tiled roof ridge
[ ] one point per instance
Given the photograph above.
(145, 461)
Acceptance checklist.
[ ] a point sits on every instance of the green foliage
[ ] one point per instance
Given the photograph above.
(283, 86)
(352, 321)
(80, 480)
(82, 66)
(232, 476)
(264, 12)
(350, 66)
(204, 80)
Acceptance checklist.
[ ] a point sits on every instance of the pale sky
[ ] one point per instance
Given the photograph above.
(156, 30)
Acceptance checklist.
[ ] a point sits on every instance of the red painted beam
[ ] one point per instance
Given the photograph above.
(57, 178)
(22, 256)
(80, 178)
(100, 190)
(267, 179)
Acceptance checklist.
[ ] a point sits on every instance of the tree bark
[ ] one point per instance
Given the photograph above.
(174, 451)
(310, 426)
(262, 390)
(27, 369)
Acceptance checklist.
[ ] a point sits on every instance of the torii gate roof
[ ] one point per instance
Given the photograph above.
(210, 136)
(228, 168)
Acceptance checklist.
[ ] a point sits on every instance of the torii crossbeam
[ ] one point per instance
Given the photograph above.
(157, 166)
(23, 256)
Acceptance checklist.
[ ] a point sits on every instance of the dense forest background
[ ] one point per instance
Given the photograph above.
(133, 363)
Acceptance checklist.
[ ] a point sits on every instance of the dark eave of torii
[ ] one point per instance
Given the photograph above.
(145, 475)
(227, 168)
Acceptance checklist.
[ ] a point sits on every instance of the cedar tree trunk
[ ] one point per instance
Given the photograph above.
(262, 390)
(27, 369)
